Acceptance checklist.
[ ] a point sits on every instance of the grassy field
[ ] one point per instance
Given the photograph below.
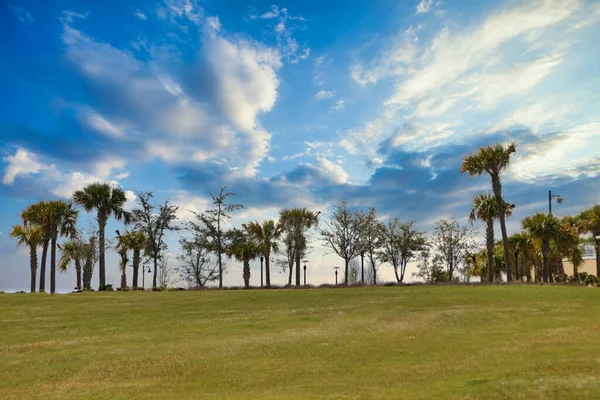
(364, 343)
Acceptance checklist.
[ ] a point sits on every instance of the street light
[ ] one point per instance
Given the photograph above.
(559, 200)
(305, 261)
(144, 275)
(261, 270)
(336, 274)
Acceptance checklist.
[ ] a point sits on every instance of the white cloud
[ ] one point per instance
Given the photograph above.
(339, 105)
(102, 125)
(424, 6)
(139, 14)
(22, 163)
(324, 94)
(571, 153)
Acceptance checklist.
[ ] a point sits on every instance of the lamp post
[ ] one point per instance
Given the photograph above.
(261, 270)
(305, 261)
(336, 275)
(559, 200)
(144, 276)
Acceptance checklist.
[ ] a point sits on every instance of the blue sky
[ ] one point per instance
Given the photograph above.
(299, 103)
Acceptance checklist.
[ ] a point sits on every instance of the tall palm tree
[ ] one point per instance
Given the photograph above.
(298, 221)
(590, 222)
(485, 209)
(62, 220)
(108, 201)
(265, 236)
(545, 228)
(38, 214)
(493, 160)
(73, 251)
(31, 236)
(244, 250)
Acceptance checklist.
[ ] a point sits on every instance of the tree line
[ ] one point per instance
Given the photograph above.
(351, 234)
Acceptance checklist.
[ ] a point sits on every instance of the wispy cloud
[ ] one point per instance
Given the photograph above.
(424, 6)
(324, 94)
(140, 15)
(23, 15)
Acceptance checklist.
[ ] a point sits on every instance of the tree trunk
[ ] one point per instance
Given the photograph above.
(43, 266)
(246, 274)
(101, 249)
(374, 270)
(53, 265)
(497, 188)
(291, 267)
(268, 269)
(298, 271)
(78, 272)
(545, 251)
(346, 265)
(136, 267)
(155, 272)
(33, 266)
(362, 268)
(396, 273)
(517, 265)
(123, 280)
(489, 241)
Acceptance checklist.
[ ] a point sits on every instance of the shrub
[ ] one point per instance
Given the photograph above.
(157, 289)
(125, 289)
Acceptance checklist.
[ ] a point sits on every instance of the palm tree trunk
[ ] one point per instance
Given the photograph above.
(136, 266)
(53, 265)
(78, 272)
(123, 279)
(298, 270)
(43, 266)
(517, 265)
(268, 269)
(489, 241)
(33, 266)
(101, 249)
(246, 274)
(545, 251)
(497, 188)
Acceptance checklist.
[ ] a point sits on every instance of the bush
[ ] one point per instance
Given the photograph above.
(125, 289)
(105, 288)
(157, 289)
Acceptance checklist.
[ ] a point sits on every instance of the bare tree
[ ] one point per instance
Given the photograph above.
(401, 243)
(211, 225)
(371, 242)
(353, 272)
(166, 273)
(197, 267)
(451, 244)
(343, 234)
(154, 220)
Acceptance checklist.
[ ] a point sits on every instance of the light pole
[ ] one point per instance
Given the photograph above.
(305, 261)
(144, 276)
(559, 200)
(336, 274)
(261, 270)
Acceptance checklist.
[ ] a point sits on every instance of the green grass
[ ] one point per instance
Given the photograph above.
(503, 342)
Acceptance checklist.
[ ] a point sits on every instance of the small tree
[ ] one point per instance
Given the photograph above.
(401, 242)
(371, 241)
(166, 274)
(353, 272)
(154, 220)
(451, 244)
(296, 224)
(211, 225)
(343, 234)
(197, 268)
(32, 236)
(243, 249)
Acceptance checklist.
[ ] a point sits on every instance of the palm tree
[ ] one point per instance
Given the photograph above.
(493, 160)
(122, 247)
(521, 246)
(38, 214)
(62, 219)
(244, 250)
(108, 201)
(590, 222)
(485, 209)
(31, 236)
(73, 251)
(545, 228)
(265, 236)
(296, 222)
(136, 241)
